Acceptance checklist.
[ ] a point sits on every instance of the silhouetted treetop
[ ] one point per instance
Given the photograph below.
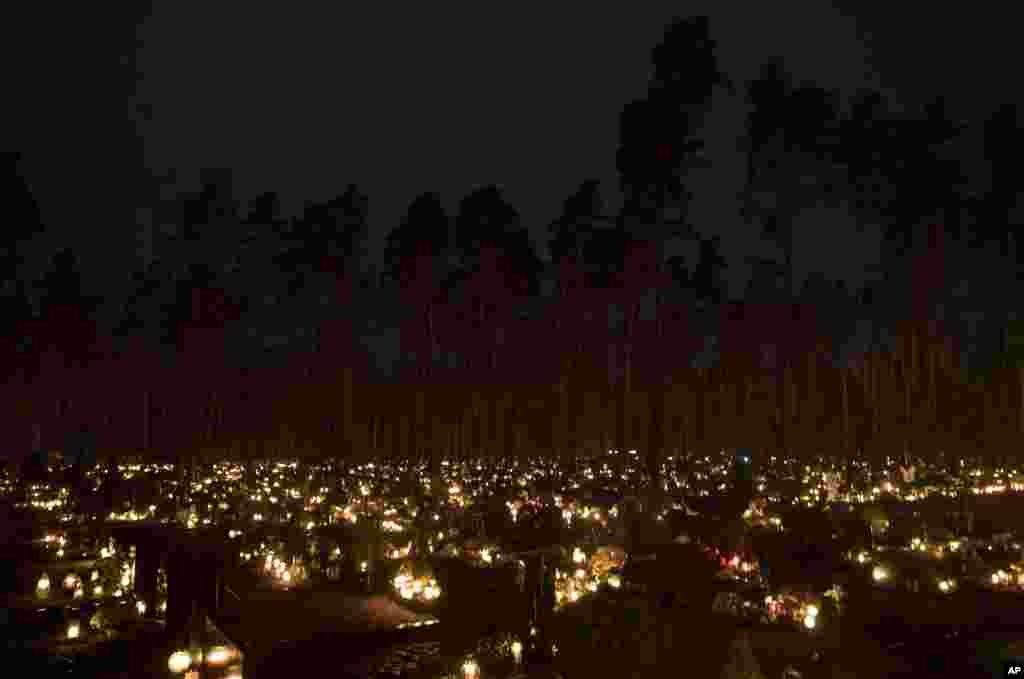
(658, 135)
(423, 229)
(582, 212)
(484, 216)
(264, 208)
(685, 64)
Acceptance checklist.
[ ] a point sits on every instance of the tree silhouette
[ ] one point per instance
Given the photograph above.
(576, 224)
(486, 222)
(484, 216)
(707, 276)
(60, 289)
(210, 222)
(766, 96)
(793, 155)
(324, 238)
(867, 132)
(1003, 145)
(423, 230)
(25, 224)
(658, 142)
(929, 178)
(622, 317)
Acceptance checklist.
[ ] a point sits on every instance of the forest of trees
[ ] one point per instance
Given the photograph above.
(246, 333)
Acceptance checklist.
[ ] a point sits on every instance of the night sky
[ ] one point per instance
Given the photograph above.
(402, 99)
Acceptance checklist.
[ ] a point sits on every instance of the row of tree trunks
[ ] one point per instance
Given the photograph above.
(878, 405)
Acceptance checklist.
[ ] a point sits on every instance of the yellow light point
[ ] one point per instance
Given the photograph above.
(179, 662)
(879, 574)
(218, 655)
(43, 585)
(74, 630)
(140, 606)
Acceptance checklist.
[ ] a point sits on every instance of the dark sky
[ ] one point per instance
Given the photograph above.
(405, 97)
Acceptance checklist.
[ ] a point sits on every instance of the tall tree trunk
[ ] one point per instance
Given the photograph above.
(907, 415)
(499, 447)
(346, 410)
(1020, 402)
(782, 410)
(375, 426)
(814, 396)
(846, 412)
(561, 424)
(655, 446)
(146, 419)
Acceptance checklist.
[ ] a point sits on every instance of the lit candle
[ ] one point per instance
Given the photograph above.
(471, 670)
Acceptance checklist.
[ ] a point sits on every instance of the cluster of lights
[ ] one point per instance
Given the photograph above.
(792, 608)
(48, 505)
(1013, 578)
(180, 662)
(411, 588)
(573, 588)
(281, 572)
(347, 514)
(133, 515)
(586, 579)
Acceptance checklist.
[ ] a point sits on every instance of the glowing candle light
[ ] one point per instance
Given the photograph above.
(179, 662)
(471, 670)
